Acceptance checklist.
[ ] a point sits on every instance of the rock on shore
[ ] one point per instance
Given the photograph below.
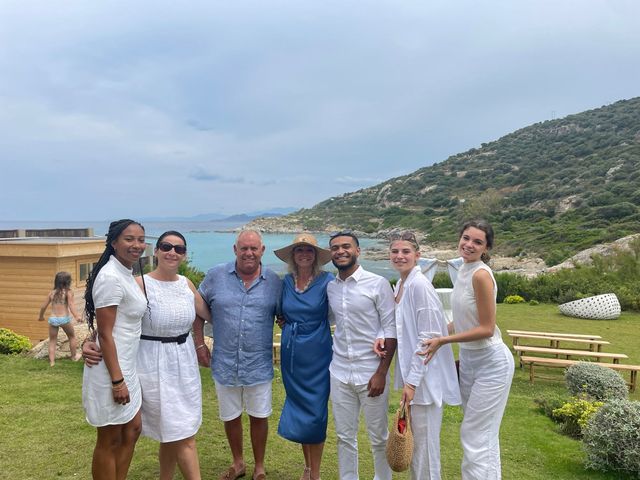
(41, 350)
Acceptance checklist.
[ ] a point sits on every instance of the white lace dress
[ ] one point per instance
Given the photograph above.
(168, 372)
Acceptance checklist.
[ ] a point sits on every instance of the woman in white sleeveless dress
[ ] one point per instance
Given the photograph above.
(167, 362)
(486, 364)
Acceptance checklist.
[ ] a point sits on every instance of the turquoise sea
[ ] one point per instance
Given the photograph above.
(211, 243)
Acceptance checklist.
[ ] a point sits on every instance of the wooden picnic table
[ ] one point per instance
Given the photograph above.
(520, 349)
(563, 363)
(555, 334)
(554, 342)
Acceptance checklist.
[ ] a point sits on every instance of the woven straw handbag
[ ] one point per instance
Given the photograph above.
(399, 448)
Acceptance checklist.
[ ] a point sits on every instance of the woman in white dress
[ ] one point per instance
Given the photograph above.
(486, 364)
(167, 364)
(111, 391)
(419, 315)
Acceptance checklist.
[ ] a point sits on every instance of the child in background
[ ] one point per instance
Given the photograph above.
(63, 310)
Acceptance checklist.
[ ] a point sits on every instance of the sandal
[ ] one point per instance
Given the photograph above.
(232, 473)
(306, 474)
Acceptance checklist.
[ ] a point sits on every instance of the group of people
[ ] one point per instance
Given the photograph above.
(141, 373)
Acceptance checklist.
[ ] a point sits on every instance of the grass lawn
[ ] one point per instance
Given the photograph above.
(44, 434)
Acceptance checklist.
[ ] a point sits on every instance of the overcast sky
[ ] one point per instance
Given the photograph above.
(114, 109)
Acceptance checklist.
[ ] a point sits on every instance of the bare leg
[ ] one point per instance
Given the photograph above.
(130, 434)
(73, 343)
(167, 457)
(184, 453)
(233, 429)
(307, 454)
(306, 474)
(315, 456)
(259, 428)
(108, 443)
(53, 342)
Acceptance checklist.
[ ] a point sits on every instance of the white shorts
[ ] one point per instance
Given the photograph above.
(255, 400)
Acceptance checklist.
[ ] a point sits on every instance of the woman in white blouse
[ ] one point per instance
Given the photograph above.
(486, 364)
(426, 388)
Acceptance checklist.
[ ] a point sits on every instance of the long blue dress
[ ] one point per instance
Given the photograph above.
(305, 358)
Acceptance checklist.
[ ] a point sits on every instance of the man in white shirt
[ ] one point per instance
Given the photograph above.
(361, 305)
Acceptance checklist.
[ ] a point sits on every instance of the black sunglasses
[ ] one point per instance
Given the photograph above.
(408, 236)
(166, 247)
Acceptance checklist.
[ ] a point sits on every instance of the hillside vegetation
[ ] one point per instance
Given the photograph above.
(551, 189)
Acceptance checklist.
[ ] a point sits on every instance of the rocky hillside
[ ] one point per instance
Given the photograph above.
(551, 189)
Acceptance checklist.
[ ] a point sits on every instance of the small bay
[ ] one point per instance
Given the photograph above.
(211, 243)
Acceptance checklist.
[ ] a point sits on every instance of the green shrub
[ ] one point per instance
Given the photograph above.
(512, 299)
(11, 342)
(547, 405)
(533, 303)
(599, 383)
(574, 414)
(192, 273)
(511, 284)
(617, 273)
(611, 438)
(442, 280)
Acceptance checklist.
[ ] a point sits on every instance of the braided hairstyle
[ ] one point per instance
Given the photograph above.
(115, 230)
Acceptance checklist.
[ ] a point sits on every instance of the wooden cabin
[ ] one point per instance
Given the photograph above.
(29, 261)
(27, 268)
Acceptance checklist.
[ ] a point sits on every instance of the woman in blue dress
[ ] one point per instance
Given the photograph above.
(306, 349)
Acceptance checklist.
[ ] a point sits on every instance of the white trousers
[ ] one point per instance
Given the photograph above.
(347, 401)
(426, 421)
(485, 379)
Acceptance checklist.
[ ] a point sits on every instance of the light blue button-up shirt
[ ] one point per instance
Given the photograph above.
(242, 324)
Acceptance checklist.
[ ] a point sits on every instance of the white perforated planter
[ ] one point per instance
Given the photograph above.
(599, 307)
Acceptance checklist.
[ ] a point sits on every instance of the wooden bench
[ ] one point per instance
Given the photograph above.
(555, 334)
(554, 342)
(524, 349)
(276, 352)
(563, 363)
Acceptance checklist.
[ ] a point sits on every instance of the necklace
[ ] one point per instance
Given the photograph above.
(295, 283)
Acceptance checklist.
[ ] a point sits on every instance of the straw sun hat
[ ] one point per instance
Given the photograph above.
(285, 253)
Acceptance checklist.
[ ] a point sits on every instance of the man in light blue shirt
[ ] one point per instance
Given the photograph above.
(243, 297)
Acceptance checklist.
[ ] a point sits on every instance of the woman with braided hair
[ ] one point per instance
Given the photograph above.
(114, 308)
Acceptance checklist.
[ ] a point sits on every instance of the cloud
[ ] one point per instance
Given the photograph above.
(272, 107)
(201, 174)
(360, 181)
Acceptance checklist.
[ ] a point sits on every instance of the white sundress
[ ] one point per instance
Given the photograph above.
(168, 372)
(115, 285)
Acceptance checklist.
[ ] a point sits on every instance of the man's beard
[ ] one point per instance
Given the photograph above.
(346, 266)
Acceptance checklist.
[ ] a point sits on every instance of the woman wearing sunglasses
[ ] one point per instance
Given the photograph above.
(167, 363)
